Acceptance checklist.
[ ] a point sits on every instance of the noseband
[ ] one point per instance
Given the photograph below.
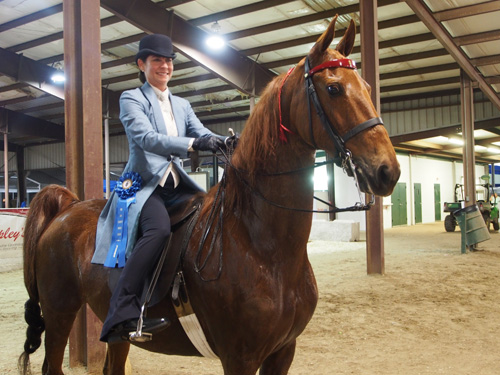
(343, 156)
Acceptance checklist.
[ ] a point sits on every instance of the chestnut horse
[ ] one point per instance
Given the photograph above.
(255, 296)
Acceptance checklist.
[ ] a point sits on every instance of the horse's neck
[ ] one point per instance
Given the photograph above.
(268, 199)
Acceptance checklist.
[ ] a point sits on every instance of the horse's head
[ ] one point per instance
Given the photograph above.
(341, 118)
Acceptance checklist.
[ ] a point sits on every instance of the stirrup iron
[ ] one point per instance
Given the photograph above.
(138, 335)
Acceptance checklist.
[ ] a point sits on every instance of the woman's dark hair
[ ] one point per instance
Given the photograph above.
(142, 77)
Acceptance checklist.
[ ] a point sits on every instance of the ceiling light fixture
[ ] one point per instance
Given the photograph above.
(215, 41)
(58, 76)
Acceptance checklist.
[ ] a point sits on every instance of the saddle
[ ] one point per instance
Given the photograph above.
(183, 217)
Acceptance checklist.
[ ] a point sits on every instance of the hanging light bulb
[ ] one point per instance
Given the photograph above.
(215, 41)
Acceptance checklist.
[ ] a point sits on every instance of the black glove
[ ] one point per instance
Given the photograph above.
(210, 143)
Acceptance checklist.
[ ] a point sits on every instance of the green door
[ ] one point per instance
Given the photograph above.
(417, 192)
(437, 202)
(398, 200)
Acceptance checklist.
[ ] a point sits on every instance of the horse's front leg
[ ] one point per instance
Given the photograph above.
(279, 362)
(116, 359)
(236, 365)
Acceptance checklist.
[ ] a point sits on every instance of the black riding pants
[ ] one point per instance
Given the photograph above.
(154, 226)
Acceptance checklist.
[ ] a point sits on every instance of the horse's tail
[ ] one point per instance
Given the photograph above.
(46, 205)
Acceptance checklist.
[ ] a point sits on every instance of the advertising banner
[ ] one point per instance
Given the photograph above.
(12, 228)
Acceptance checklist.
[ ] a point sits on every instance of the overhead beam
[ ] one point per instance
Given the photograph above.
(231, 66)
(425, 15)
(487, 36)
(31, 17)
(444, 131)
(420, 84)
(56, 36)
(354, 8)
(487, 60)
(418, 71)
(467, 11)
(24, 69)
(25, 125)
(234, 12)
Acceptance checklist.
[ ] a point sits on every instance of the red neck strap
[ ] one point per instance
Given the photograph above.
(283, 128)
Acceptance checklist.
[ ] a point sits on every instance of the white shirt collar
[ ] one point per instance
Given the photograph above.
(161, 95)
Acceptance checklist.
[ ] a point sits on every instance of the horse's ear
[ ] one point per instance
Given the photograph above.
(347, 42)
(325, 39)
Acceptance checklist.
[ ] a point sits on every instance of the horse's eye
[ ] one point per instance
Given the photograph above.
(334, 89)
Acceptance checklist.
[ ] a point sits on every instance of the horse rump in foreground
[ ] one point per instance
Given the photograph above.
(256, 291)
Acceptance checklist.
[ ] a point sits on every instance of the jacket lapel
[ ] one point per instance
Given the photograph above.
(150, 95)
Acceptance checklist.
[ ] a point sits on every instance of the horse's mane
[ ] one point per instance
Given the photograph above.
(257, 146)
(261, 133)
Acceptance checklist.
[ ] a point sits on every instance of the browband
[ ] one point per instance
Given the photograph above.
(335, 63)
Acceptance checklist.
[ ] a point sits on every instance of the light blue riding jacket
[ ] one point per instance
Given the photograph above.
(151, 151)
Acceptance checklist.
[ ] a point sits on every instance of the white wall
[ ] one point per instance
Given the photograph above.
(414, 169)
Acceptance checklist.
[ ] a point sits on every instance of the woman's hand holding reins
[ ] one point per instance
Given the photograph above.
(210, 143)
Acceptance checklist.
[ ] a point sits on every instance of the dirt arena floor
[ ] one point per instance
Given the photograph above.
(435, 311)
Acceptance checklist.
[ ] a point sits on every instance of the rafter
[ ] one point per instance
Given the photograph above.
(21, 124)
(239, 11)
(467, 11)
(29, 71)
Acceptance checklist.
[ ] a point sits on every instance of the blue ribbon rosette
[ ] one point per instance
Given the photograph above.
(126, 188)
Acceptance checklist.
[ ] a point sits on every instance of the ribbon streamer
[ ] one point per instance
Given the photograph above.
(126, 189)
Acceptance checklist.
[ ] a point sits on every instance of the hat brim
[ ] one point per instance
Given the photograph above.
(144, 53)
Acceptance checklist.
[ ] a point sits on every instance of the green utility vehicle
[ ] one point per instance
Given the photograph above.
(488, 209)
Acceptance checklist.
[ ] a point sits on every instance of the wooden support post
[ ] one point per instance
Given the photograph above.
(21, 177)
(370, 72)
(467, 106)
(330, 172)
(84, 159)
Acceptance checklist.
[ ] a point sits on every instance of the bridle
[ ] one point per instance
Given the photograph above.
(344, 160)
(343, 157)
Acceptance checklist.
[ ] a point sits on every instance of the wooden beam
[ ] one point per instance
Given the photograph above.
(31, 17)
(375, 258)
(238, 11)
(467, 11)
(487, 60)
(29, 71)
(487, 36)
(84, 155)
(21, 124)
(348, 9)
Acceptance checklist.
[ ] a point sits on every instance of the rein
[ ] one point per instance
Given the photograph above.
(359, 206)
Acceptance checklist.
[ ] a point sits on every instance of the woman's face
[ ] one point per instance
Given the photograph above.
(158, 70)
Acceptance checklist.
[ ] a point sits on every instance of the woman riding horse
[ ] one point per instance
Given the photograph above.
(252, 288)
